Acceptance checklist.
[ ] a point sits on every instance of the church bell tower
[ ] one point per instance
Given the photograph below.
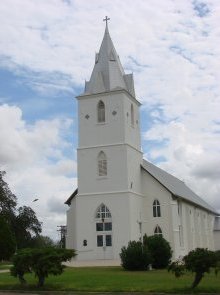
(103, 214)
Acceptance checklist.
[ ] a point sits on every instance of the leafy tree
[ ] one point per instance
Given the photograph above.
(22, 221)
(40, 241)
(42, 262)
(7, 240)
(199, 261)
(135, 256)
(26, 226)
(8, 200)
(159, 249)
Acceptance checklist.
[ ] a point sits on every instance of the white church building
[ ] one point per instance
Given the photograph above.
(120, 196)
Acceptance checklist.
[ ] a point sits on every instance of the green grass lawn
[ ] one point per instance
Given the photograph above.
(115, 279)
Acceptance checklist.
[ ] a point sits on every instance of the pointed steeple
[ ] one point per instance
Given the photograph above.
(108, 73)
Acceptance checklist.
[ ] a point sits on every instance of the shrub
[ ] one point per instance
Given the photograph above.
(135, 257)
(160, 251)
(42, 262)
(198, 261)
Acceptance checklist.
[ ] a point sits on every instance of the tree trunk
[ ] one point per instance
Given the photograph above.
(41, 280)
(197, 279)
(21, 279)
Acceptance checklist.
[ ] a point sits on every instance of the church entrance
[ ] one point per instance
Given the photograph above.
(103, 233)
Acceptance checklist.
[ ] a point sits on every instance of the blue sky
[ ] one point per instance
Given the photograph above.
(47, 51)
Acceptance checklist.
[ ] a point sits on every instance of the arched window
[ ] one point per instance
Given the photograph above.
(103, 212)
(158, 231)
(103, 226)
(132, 115)
(102, 164)
(101, 112)
(156, 209)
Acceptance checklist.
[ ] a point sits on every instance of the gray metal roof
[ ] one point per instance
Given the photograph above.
(176, 186)
(108, 73)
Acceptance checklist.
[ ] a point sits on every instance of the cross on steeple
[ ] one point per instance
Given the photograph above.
(106, 19)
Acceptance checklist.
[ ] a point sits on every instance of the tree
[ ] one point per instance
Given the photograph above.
(7, 240)
(26, 226)
(8, 200)
(42, 262)
(159, 249)
(22, 221)
(199, 261)
(40, 241)
(135, 256)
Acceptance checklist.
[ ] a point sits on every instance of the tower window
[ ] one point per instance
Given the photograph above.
(158, 231)
(156, 209)
(102, 164)
(101, 112)
(132, 115)
(103, 212)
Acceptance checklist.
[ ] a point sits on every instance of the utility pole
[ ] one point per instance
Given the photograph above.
(62, 230)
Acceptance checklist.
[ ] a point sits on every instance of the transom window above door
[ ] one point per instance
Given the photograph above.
(103, 212)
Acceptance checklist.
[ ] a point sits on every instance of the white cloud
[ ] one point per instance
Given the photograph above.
(35, 161)
(171, 46)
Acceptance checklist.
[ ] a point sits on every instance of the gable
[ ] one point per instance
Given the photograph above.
(175, 186)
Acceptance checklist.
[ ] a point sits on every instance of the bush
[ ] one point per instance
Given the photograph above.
(135, 257)
(198, 261)
(160, 251)
(42, 262)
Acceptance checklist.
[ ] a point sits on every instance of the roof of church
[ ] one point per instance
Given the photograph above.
(108, 73)
(176, 186)
(68, 201)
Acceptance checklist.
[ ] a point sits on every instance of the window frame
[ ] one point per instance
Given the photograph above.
(156, 208)
(158, 231)
(102, 164)
(101, 112)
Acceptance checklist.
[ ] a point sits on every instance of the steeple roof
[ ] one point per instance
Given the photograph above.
(108, 73)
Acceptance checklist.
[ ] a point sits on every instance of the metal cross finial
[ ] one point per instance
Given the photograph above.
(106, 20)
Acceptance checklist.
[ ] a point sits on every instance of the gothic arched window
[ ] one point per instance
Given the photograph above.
(101, 112)
(103, 226)
(103, 212)
(158, 231)
(102, 164)
(132, 115)
(156, 209)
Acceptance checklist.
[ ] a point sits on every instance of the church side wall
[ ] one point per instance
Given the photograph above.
(217, 239)
(71, 226)
(197, 227)
(151, 190)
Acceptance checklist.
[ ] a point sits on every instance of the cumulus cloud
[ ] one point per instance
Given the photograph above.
(33, 156)
(171, 48)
